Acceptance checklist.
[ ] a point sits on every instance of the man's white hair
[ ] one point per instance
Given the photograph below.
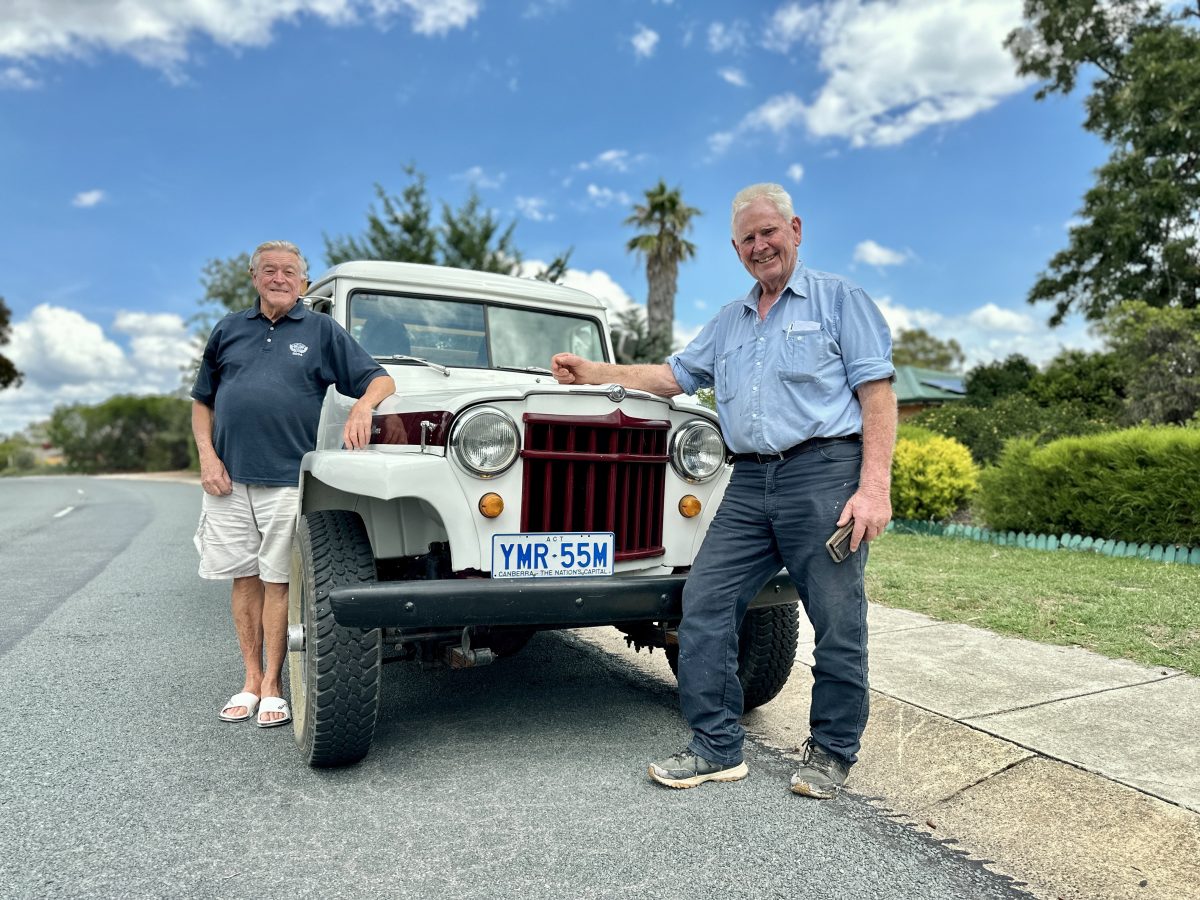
(282, 247)
(779, 198)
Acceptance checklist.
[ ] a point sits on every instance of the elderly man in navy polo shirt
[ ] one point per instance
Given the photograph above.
(257, 402)
(802, 370)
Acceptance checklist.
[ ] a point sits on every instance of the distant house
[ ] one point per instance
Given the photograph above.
(918, 389)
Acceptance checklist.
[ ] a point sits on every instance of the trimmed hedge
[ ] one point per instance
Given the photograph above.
(932, 476)
(1137, 485)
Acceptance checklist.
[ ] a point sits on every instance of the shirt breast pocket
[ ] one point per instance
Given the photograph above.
(804, 349)
(726, 379)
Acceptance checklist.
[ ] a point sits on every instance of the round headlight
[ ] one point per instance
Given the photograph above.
(697, 450)
(485, 441)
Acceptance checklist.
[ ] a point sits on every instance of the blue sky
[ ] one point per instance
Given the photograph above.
(139, 139)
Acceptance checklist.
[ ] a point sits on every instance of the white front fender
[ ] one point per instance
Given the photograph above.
(373, 477)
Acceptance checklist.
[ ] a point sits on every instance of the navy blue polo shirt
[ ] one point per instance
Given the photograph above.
(266, 381)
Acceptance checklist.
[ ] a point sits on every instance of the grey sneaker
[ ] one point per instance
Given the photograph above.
(821, 774)
(686, 769)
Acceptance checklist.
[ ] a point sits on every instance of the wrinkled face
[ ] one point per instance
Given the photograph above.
(279, 278)
(766, 243)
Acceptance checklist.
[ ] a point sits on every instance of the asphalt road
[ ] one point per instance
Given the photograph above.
(522, 779)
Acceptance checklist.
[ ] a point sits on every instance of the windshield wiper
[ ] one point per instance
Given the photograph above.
(397, 357)
(539, 370)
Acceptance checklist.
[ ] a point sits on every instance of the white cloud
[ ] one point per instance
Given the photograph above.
(17, 79)
(597, 282)
(86, 199)
(992, 317)
(721, 141)
(57, 346)
(893, 68)
(614, 160)
(874, 254)
(795, 172)
(479, 178)
(534, 208)
(67, 358)
(644, 42)
(158, 33)
(159, 344)
(791, 23)
(991, 332)
(602, 196)
(734, 76)
(432, 17)
(724, 38)
(777, 115)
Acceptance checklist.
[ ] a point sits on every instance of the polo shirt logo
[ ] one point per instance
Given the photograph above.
(298, 349)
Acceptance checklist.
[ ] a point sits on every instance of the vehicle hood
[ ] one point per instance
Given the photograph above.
(428, 389)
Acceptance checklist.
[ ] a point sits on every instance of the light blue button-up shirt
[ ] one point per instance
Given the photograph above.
(791, 376)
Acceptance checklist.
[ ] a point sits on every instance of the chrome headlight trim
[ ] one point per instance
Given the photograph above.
(697, 451)
(485, 441)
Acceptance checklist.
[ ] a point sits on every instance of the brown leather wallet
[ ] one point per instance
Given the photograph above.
(838, 544)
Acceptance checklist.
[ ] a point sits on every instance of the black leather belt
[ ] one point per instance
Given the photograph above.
(802, 447)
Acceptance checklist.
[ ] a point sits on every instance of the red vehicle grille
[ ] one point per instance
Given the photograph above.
(597, 473)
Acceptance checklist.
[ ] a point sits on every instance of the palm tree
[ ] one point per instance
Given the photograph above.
(666, 219)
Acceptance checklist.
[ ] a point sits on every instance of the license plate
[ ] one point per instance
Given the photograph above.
(552, 555)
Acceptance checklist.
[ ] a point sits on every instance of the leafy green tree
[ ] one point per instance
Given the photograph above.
(16, 454)
(1159, 349)
(124, 434)
(1137, 233)
(917, 347)
(989, 382)
(986, 429)
(403, 230)
(9, 376)
(665, 219)
(632, 340)
(471, 238)
(228, 288)
(1094, 380)
(557, 268)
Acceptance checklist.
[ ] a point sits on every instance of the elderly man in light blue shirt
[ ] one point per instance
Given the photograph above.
(802, 371)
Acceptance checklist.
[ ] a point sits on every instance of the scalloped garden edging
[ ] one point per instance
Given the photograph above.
(1172, 553)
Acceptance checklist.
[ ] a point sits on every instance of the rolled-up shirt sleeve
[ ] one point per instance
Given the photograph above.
(865, 339)
(694, 365)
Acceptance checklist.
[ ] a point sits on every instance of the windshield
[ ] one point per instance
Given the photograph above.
(469, 333)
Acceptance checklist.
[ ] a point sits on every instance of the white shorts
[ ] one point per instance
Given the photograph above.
(248, 532)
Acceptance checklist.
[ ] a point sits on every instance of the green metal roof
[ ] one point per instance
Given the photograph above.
(916, 385)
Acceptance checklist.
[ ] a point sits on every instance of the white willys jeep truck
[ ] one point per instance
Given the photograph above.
(493, 502)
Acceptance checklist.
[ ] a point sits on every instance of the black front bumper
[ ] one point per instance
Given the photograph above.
(545, 602)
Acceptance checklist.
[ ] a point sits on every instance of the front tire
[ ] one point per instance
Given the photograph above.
(766, 651)
(335, 678)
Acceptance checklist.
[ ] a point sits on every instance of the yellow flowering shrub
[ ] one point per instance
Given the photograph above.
(932, 478)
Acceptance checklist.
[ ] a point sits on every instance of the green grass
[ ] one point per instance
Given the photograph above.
(1127, 608)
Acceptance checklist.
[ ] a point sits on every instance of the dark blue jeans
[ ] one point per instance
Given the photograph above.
(773, 515)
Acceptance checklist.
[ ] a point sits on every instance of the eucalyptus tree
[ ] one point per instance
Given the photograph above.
(1138, 230)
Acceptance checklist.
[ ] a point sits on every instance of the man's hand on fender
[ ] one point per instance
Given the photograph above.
(357, 433)
(871, 511)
